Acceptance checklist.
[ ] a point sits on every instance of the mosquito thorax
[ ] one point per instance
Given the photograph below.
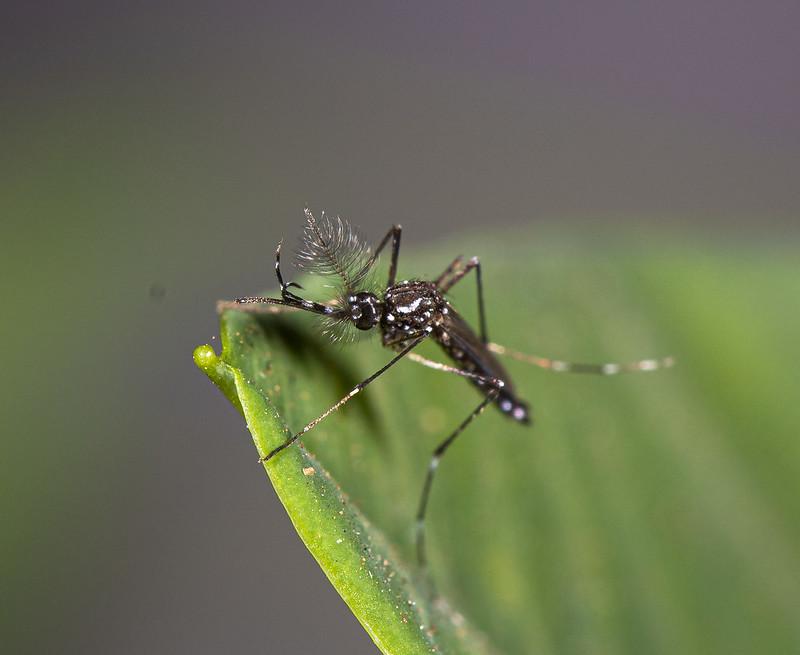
(365, 310)
(411, 307)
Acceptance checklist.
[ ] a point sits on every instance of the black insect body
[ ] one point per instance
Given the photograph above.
(416, 305)
(406, 314)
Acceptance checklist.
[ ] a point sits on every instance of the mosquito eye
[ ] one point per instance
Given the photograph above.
(364, 311)
(366, 317)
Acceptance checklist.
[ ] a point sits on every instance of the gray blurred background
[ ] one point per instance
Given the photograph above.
(152, 156)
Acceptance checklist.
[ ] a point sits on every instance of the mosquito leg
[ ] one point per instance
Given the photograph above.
(473, 263)
(405, 338)
(394, 234)
(495, 383)
(396, 231)
(341, 402)
(456, 263)
(433, 465)
(608, 368)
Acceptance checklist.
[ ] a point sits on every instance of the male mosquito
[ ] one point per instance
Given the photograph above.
(407, 313)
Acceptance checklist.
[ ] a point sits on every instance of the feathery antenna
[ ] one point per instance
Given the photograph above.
(331, 247)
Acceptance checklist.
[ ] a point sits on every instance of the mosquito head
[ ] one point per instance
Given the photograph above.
(365, 310)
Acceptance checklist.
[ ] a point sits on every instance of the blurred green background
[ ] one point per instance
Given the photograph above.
(152, 157)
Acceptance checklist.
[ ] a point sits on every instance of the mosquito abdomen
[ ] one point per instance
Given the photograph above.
(514, 408)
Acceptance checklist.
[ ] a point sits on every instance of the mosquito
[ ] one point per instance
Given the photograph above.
(406, 314)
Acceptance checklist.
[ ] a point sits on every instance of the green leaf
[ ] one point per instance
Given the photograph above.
(649, 513)
(363, 567)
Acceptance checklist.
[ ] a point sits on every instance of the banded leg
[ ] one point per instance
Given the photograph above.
(559, 366)
(473, 263)
(496, 383)
(344, 400)
(434, 464)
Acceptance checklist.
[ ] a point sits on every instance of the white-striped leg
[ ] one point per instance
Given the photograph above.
(352, 393)
(559, 366)
(496, 383)
(434, 464)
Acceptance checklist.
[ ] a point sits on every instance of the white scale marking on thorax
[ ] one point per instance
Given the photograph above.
(407, 309)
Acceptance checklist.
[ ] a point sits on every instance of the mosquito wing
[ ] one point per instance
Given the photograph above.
(462, 337)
